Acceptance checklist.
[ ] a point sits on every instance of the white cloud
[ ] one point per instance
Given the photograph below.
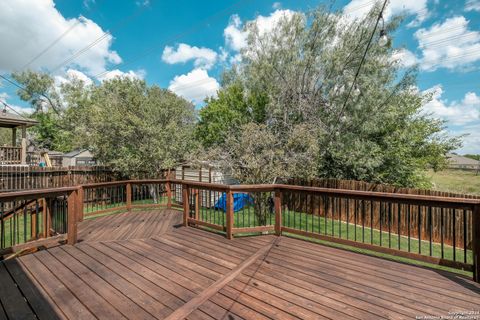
(28, 27)
(236, 36)
(276, 5)
(404, 57)
(202, 57)
(449, 45)
(472, 5)
(357, 9)
(462, 112)
(71, 74)
(195, 86)
(139, 74)
(471, 142)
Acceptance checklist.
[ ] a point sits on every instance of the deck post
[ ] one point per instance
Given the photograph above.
(72, 218)
(476, 242)
(129, 196)
(186, 204)
(168, 186)
(229, 214)
(278, 212)
(33, 223)
(46, 217)
(80, 196)
(197, 203)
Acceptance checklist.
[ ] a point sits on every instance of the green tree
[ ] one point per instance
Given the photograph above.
(55, 108)
(139, 129)
(306, 67)
(232, 108)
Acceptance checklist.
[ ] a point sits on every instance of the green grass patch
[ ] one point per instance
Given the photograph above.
(456, 181)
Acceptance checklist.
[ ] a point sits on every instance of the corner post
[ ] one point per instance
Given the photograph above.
(23, 156)
(229, 214)
(186, 204)
(46, 217)
(278, 212)
(476, 242)
(129, 196)
(72, 218)
(168, 186)
(80, 197)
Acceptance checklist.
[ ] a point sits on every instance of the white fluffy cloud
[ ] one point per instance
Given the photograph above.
(359, 8)
(449, 45)
(202, 57)
(462, 112)
(236, 37)
(28, 27)
(195, 86)
(139, 74)
(404, 57)
(472, 5)
(71, 74)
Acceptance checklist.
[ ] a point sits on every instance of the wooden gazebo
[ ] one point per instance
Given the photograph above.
(16, 153)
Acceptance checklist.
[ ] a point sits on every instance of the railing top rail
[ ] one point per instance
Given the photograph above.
(38, 193)
(460, 203)
(384, 196)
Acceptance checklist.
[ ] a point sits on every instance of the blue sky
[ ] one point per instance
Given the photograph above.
(184, 45)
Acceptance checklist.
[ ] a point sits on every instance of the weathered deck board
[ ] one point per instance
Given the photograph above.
(133, 225)
(138, 266)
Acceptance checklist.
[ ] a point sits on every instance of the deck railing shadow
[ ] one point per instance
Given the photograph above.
(335, 215)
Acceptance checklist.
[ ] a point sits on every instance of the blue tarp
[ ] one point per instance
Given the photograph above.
(240, 200)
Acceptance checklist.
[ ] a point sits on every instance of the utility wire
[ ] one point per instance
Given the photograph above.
(104, 36)
(57, 40)
(195, 27)
(29, 92)
(380, 16)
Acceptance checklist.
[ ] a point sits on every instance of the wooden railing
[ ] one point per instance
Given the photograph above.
(10, 155)
(37, 218)
(335, 215)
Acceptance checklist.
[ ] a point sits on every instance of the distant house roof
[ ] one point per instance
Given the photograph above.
(74, 153)
(461, 160)
(11, 120)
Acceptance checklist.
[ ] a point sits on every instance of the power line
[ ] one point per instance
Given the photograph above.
(195, 27)
(54, 42)
(380, 16)
(29, 92)
(104, 36)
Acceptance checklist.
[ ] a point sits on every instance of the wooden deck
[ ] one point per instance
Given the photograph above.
(152, 270)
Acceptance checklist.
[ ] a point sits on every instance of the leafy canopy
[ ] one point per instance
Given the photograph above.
(304, 69)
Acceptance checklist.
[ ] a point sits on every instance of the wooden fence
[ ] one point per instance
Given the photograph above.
(450, 221)
(17, 178)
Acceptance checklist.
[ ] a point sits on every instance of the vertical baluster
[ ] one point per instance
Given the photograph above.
(389, 224)
(408, 227)
(340, 217)
(454, 216)
(348, 217)
(430, 227)
(464, 236)
(371, 221)
(363, 220)
(399, 211)
(442, 231)
(381, 222)
(419, 230)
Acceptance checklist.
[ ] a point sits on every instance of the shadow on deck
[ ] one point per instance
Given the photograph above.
(138, 266)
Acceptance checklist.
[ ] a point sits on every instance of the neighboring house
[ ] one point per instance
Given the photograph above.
(80, 158)
(459, 162)
(15, 153)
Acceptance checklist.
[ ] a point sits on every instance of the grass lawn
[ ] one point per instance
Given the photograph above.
(457, 181)
(17, 232)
